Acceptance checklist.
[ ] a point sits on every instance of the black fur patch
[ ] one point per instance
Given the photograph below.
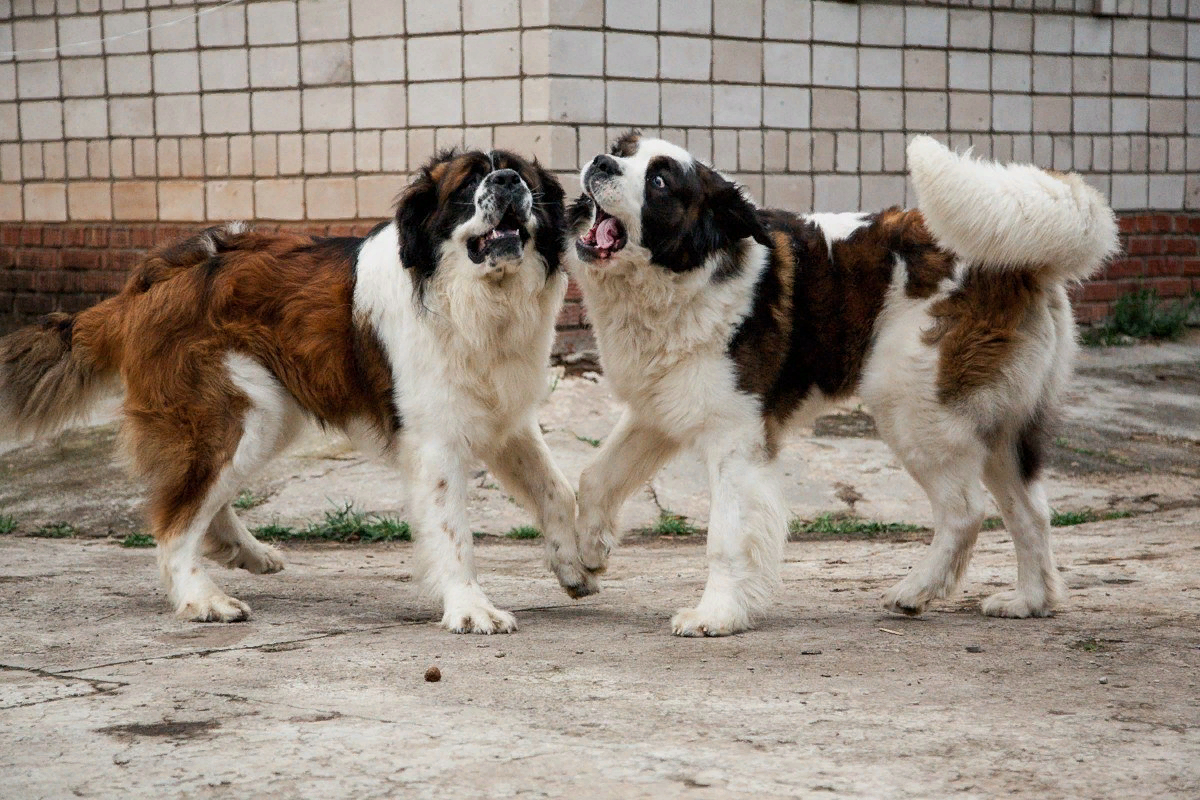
(441, 198)
(695, 214)
(1032, 440)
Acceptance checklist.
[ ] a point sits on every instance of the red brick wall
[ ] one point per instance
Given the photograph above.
(1159, 250)
(70, 266)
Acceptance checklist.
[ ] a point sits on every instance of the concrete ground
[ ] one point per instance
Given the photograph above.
(322, 693)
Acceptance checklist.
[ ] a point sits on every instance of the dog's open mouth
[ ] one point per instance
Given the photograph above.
(506, 239)
(605, 237)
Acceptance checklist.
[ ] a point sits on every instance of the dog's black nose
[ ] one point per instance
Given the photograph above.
(605, 165)
(505, 179)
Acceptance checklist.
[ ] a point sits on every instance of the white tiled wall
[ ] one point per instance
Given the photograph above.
(317, 109)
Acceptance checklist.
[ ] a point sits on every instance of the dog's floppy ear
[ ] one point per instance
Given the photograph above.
(549, 208)
(414, 213)
(735, 215)
(627, 144)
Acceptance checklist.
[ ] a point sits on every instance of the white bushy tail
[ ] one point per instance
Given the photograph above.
(1013, 216)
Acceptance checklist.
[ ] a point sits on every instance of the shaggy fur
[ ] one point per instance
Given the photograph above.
(426, 342)
(732, 324)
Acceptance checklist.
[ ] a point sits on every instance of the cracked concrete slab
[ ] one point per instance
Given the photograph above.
(322, 693)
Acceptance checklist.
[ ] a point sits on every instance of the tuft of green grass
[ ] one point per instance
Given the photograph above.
(1065, 519)
(7, 524)
(138, 540)
(845, 525)
(588, 440)
(1142, 314)
(1089, 645)
(247, 499)
(55, 530)
(524, 532)
(343, 524)
(993, 524)
(671, 524)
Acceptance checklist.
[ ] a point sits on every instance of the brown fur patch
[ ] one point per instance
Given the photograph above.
(976, 326)
(814, 315)
(627, 145)
(905, 234)
(284, 300)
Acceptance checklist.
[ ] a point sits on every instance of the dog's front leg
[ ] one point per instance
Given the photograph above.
(444, 546)
(746, 530)
(630, 456)
(523, 464)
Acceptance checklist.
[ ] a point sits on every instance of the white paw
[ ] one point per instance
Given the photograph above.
(478, 618)
(701, 622)
(908, 597)
(262, 560)
(577, 581)
(216, 606)
(595, 545)
(1014, 605)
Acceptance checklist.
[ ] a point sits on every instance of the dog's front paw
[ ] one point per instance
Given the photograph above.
(1014, 605)
(216, 606)
(695, 622)
(908, 598)
(595, 546)
(577, 581)
(479, 617)
(262, 560)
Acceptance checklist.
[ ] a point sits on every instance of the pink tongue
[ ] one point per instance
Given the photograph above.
(606, 233)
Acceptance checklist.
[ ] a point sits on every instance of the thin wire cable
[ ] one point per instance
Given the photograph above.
(6, 54)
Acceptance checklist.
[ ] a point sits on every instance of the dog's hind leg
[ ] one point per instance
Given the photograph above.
(270, 424)
(1026, 513)
(230, 544)
(524, 465)
(195, 454)
(951, 475)
(746, 530)
(180, 540)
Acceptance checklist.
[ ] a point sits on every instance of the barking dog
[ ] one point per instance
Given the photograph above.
(427, 342)
(721, 325)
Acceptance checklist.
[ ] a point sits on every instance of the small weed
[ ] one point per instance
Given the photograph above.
(1141, 314)
(671, 524)
(55, 530)
(588, 440)
(1065, 519)
(7, 524)
(993, 524)
(138, 540)
(1090, 644)
(247, 499)
(845, 525)
(343, 524)
(524, 532)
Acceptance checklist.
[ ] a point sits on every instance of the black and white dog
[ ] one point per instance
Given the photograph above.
(721, 325)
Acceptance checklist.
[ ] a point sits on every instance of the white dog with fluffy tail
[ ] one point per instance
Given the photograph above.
(722, 325)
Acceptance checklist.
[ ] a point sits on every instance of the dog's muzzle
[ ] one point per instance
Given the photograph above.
(507, 200)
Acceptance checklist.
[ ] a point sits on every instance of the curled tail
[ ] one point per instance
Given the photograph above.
(54, 374)
(1012, 216)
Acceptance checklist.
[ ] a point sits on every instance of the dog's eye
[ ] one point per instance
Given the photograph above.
(657, 182)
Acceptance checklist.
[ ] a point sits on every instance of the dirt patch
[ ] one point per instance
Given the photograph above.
(161, 730)
(856, 424)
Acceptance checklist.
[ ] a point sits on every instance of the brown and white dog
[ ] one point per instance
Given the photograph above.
(427, 342)
(721, 325)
